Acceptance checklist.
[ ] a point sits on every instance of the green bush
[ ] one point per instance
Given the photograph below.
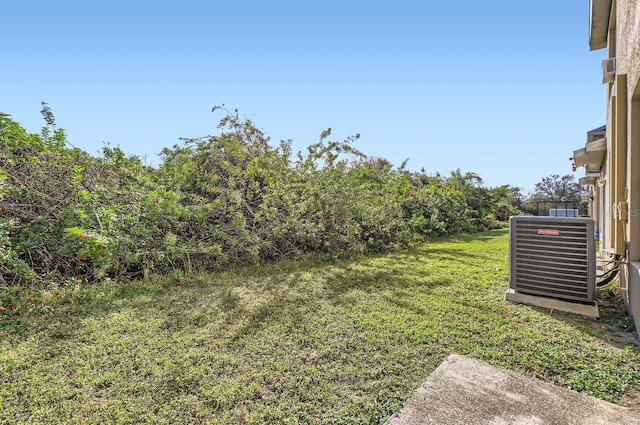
(232, 198)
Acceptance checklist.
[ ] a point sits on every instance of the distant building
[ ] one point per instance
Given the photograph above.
(611, 154)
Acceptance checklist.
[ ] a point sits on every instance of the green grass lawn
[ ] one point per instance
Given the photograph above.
(305, 341)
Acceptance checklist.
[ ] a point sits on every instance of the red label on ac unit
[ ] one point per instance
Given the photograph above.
(550, 232)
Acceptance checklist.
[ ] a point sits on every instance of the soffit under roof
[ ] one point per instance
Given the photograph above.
(599, 14)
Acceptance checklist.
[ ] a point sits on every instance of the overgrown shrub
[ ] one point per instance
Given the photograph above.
(231, 198)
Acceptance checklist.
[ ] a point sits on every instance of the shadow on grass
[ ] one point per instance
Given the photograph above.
(347, 280)
(281, 295)
(614, 326)
(429, 255)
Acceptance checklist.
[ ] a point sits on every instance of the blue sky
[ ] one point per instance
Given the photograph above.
(503, 88)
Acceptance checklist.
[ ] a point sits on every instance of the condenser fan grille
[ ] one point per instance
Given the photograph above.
(553, 257)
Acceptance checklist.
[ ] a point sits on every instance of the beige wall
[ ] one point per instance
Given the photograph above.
(627, 54)
(628, 43)
(628, 62)
(623, 145)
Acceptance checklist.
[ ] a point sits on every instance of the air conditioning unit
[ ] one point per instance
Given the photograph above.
(608, 70)
(563, 212)
(552, 263)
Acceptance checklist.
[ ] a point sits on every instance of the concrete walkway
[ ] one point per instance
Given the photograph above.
(465, 391)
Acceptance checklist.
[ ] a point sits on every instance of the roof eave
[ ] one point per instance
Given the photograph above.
(597, 132)
(599, 13)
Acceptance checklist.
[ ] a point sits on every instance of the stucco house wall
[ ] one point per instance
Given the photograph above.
(628, 57)
(620, 175)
